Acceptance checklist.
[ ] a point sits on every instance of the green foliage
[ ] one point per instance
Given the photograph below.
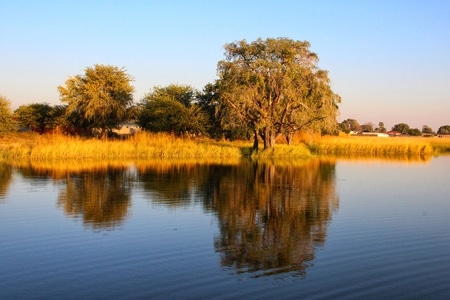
(367, 127)
(222, 122)
(184, 94)
(427, 130)
(414, 132)
(37, 116)
(7, 124)
(350, 125)
(100, 98)
(401, 127)
(163, 116)
(275, 87)
(172, 109)
(444, 129)
(381, 127)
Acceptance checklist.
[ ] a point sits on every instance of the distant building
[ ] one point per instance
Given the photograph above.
(127, 129)
(393, 133)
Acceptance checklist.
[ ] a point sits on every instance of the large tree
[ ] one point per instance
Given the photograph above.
(221, 119)
(275, 87)
(6, 120)
(101, 97)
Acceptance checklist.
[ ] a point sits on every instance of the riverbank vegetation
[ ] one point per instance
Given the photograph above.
(267, 95)
(145, 146)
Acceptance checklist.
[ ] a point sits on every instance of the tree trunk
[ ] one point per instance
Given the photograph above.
(255, 141)
(289, 138)
(268, 138)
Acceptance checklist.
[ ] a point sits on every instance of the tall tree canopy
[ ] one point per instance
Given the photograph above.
(221, 118)
(101, 98)
(276, 87)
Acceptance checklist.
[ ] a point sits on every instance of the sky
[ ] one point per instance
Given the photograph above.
(389, 60)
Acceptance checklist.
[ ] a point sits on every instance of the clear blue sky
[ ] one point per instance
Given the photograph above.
(389, 60)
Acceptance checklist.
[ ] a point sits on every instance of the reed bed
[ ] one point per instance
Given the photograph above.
(371, 146)
(148, 146)
(166, 146)
(140, 146)
(440, 145)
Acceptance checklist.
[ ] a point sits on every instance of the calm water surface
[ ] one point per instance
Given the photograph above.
(322, 229)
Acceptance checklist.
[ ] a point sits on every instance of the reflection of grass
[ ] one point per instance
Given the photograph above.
(283, 152)
(147, 146)
(59, 169)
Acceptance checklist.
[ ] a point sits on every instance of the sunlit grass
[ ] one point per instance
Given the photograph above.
(148, 146)
(141, 146)
(371, 146)
(440, 145)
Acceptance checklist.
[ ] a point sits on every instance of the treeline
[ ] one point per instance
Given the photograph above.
(265, 90)
(352, 125)
(177, 109)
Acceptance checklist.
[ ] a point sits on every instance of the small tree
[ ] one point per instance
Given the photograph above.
(35, 116)
(401, 127)
(444, 129)
(381, 127)
(7, 124)
(350, 125)
(367, 127)
(163, 116)
(414, 132)
(100, 98)
(427, 130)
(172, 109)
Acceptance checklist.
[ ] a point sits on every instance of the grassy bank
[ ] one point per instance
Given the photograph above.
(141, 146)
(145, 146)
(375, 146)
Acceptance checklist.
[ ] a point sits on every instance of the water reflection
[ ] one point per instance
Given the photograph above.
(271, 217)
(172, 184)
(102, 198)
(5, 179)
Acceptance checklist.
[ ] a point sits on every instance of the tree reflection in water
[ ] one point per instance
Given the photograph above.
(97, 192)
(272, 218)
(102, 198)
(5, 179)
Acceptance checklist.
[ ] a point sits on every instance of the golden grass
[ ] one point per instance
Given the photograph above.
(148, 146)
(371, 146)
(141, 146)
(440, 145)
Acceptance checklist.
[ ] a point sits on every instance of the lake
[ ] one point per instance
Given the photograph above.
(317, 229)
